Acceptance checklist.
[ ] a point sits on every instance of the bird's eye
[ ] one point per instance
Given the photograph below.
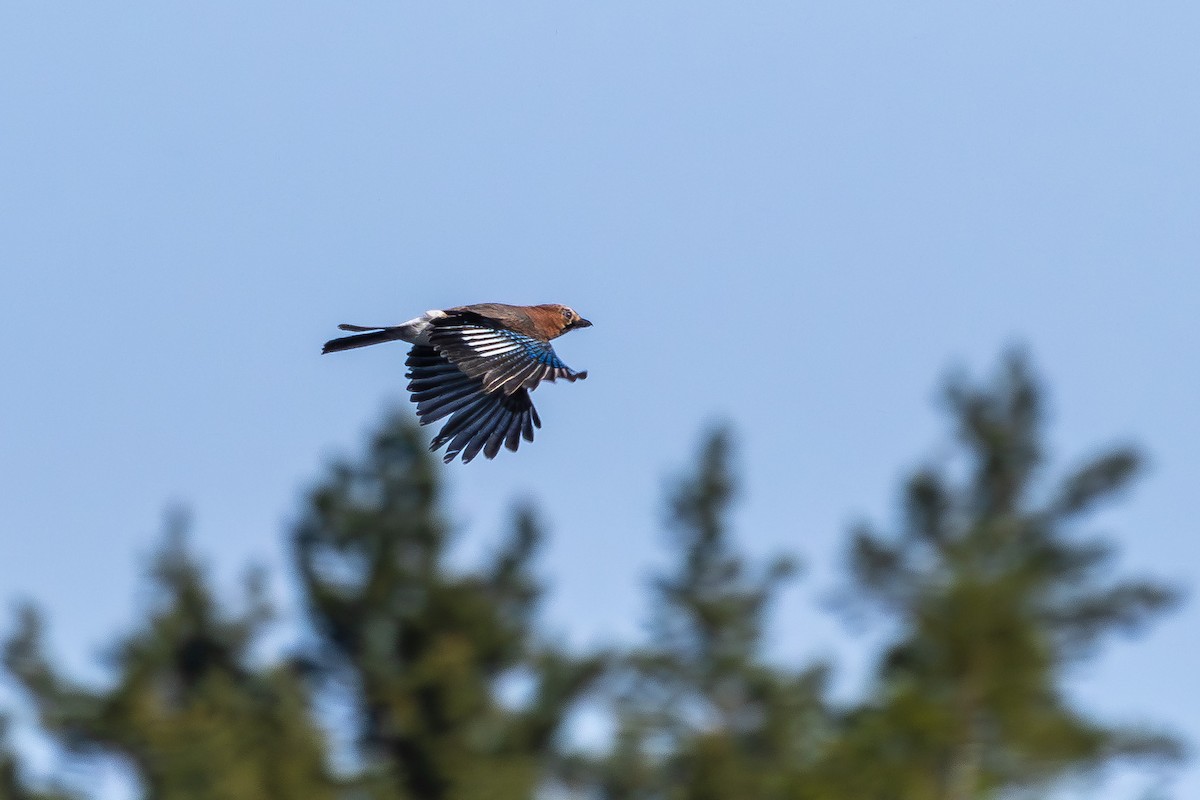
(568, 314)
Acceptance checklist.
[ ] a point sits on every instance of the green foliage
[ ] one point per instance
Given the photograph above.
(703, 715)
(989, 588)
(187, 708)
(421, 648)
(994, 593)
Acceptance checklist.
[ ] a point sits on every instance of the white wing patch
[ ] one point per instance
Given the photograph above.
(488, 343)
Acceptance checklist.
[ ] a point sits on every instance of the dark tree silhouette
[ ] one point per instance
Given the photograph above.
(989, 590)
(421, 648)
(188, 708)
(994, 591)
(703, 714)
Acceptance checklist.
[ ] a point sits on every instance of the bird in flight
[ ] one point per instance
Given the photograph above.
(477, 365)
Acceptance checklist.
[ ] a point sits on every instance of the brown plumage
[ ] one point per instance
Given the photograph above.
(477, 365)
(545, 322)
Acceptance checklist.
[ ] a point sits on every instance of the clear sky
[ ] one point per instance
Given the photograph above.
(796, 216)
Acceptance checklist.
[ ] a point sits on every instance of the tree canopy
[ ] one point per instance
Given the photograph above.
(988, 590)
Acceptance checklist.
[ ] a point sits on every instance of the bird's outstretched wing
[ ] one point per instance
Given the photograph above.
(479, 420)
(503, 360)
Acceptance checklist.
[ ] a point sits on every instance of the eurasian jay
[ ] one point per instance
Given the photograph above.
(477, 364)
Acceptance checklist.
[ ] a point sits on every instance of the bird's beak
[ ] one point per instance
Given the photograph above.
(580, 323)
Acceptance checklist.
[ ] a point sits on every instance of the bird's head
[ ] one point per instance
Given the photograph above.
(564, 318)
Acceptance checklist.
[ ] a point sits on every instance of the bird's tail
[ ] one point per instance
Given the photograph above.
(365, 336)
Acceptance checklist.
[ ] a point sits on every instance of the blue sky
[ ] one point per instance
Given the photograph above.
(794, 216)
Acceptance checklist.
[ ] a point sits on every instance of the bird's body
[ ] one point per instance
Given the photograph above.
(477, 365)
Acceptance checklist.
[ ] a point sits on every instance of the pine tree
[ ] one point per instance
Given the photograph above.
(705, 716)
(419, 648)
(188, 707)
(993, 591)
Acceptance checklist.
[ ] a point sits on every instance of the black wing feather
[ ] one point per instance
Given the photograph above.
(479, 420)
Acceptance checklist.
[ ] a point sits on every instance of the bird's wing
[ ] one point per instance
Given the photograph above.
(504, 360)
(479, 420)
